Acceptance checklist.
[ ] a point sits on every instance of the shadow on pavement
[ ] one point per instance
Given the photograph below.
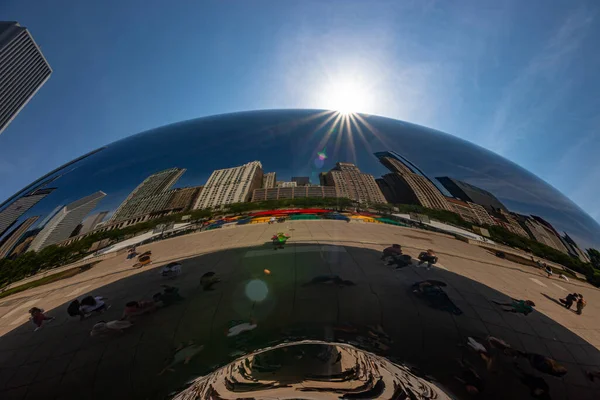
(262, 300)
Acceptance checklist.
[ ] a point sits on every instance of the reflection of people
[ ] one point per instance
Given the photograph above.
(524, 307)
(102, 327)
(469, 378)
(279, 239)
(38, 317)
(428, 257)
(393, 255)
(171, 270)
(545, 364)
(548, 270)
(581, 303)
(170, 295)
(92, 304)
(137, 308)
(569, 300)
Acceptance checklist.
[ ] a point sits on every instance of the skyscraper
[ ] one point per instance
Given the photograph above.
(13, 211)
(24, 70)
(149, 195)
(409, 185)
(545, 233)
(353, 184)
(65, 221)
(90, 222)
(470, 193)
(11, 240)
(231, 185)
(269, 180)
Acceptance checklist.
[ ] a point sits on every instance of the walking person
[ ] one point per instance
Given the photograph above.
(581, 303)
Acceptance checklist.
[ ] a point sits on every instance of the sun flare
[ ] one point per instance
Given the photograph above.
(347, 96)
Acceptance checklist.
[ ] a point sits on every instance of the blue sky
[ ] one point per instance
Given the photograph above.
(518, 78)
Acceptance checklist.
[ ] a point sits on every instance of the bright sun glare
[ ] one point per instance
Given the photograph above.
(347, 97)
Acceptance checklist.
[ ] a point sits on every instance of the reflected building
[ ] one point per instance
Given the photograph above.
(11, 240)
(407, 184)
(65, 221)
(353, 184)
(152, 195)
(510, 222)
(91, 222)
(269, 180)
(286, 184)
(471, 212)
(303, 192)
(545, 233)
(472, 194)
(573, 249)
(14, 210)
(24, 70)
(183, 199)
(231, 185)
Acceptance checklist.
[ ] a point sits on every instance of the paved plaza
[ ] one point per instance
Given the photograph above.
(63, 361)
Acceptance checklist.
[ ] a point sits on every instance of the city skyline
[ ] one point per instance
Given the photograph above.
(308, 133)
(340, 179)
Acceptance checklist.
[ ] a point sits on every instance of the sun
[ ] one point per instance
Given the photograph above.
(347, 96)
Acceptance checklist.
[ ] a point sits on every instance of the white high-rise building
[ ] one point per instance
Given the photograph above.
(269, 180)
(65, 221)
(14, 210)
(231, 185)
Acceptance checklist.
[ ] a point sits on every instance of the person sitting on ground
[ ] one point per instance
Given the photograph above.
(208, 280)
(431, 290)
(169, 296)
(563, 277)
(524, 307)
(393, 255)
(38, 317)
(428, 257)
(171, 270)
(92, 304)
(103, 327)
(136, 308)
(581, 303)
(569, 300)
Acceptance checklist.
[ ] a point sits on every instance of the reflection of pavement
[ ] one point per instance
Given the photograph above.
(64, 360)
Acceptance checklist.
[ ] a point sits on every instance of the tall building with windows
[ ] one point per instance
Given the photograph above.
(14, 210)
(471, 212)
(23, 70)
(184, 198)
(65, 221)
(473, 194)
(13, 238)
(545, 233)
(149, 196)
(303, 192)
(269, 180)
(231, 185)
(409, 185)
(286, 184)
(353, 184)
(573, 248)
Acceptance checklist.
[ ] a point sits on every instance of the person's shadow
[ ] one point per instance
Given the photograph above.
(556, 301)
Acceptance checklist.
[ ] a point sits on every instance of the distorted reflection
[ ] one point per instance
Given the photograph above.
(334, 371)
(297, 254)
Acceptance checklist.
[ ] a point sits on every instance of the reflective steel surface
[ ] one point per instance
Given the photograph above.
(296, 254)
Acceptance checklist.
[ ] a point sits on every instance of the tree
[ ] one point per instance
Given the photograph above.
(594, 257)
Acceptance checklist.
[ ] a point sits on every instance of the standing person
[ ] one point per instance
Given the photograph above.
(38, 317)
(428, 257)
(581, 303)
(548, 270)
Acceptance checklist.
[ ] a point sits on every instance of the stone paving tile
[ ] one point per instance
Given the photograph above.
(24, 375)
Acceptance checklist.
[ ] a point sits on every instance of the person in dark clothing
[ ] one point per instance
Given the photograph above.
(581, 303)
(431, 290)
(569, 300)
